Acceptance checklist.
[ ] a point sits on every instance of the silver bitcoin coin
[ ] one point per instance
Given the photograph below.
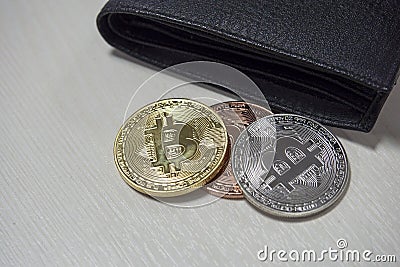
(289, 166)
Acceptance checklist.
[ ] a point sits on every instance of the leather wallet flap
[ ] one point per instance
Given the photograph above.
(334, 61)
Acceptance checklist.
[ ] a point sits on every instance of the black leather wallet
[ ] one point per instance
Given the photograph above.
(333, 61)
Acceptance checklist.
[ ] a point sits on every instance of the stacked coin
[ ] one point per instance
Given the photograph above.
(285, 165)
(236, 116)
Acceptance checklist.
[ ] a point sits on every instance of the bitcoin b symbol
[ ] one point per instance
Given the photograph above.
(169, 143)
(294, 163)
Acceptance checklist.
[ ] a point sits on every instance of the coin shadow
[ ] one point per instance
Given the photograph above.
(194, 199)
(197, 198)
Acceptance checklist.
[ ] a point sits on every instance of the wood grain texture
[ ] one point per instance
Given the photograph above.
(63, 94)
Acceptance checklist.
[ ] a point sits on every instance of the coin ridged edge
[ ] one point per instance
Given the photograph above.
(276, 213)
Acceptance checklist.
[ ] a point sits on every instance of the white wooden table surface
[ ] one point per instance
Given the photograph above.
(63, 94)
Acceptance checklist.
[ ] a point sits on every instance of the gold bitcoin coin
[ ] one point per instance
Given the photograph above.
(171, 147)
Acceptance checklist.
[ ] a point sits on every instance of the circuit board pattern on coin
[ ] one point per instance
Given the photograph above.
(171, 147)
(290, 166)
(236, 115)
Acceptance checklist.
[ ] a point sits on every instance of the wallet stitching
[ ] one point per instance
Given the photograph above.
(312, 91)
(172, 35)
(363, 123)
(282, 106)
(130, 37)
(278, 104)
(145, 11)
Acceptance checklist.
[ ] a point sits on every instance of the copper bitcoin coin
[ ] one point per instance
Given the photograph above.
(236, 117)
